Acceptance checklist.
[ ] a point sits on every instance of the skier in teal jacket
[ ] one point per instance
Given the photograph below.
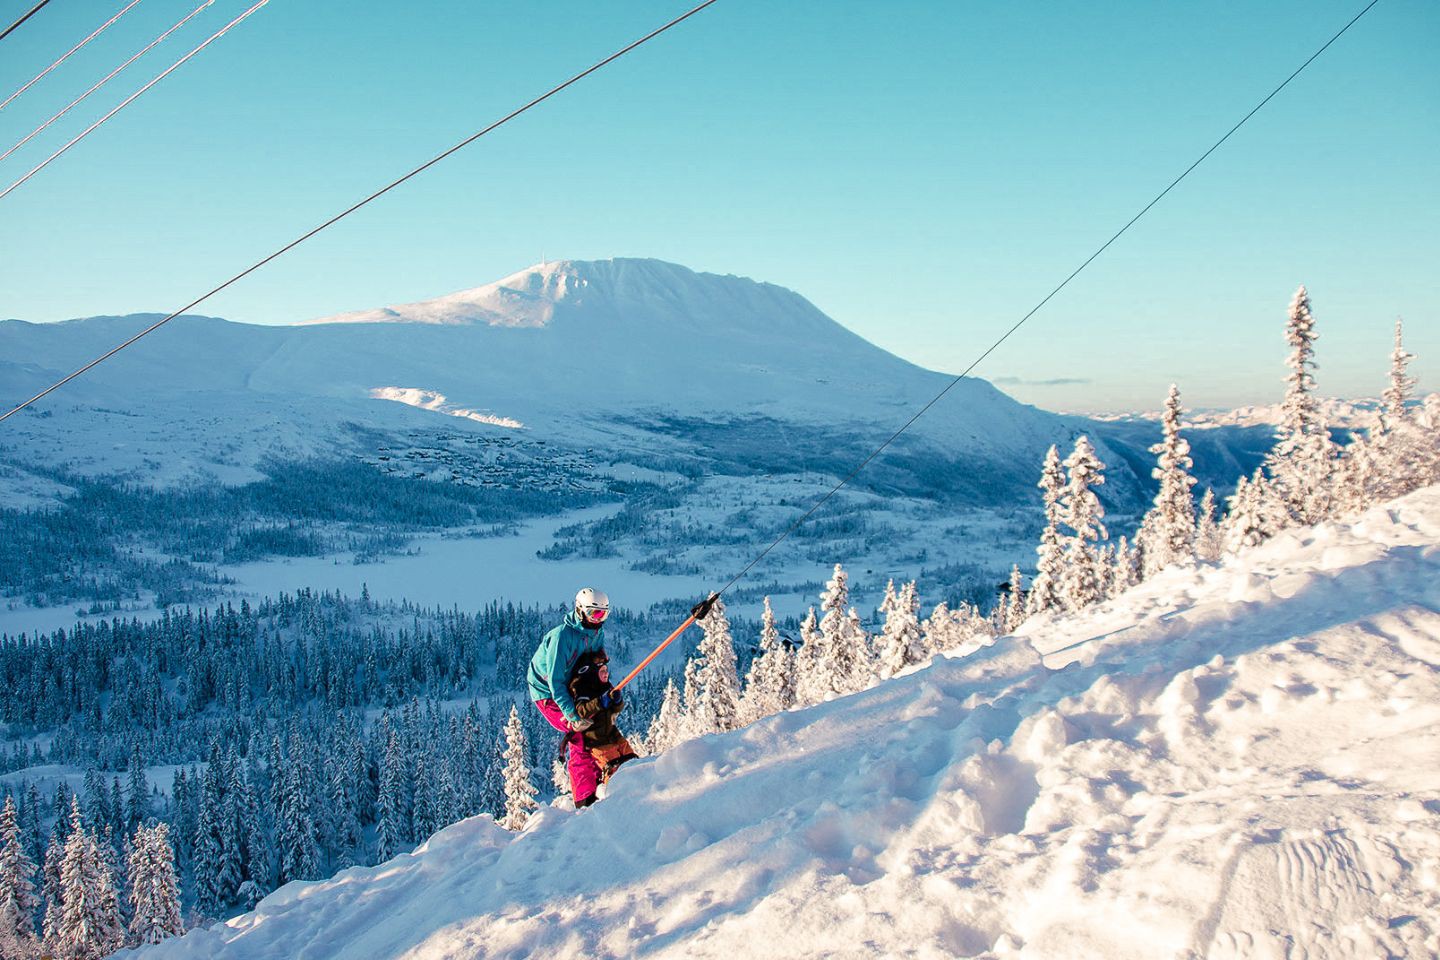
(551, 667)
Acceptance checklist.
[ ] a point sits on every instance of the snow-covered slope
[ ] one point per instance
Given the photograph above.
(1234, 761)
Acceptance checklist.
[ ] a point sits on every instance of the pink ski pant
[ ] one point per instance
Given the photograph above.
(584, 771)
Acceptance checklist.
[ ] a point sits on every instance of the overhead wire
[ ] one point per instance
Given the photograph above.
(43, 73)
(357, 205)
(106, 79)
(130, 99)
(1036, 309)
(28, 14)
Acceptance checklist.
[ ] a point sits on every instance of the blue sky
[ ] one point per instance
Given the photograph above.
(924, 172)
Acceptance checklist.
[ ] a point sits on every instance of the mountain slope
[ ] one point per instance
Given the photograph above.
(577, 352)
(1233, 761)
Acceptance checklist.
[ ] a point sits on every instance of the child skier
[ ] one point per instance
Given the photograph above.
(598, 701)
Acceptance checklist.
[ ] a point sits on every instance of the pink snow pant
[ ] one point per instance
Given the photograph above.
(584, 771)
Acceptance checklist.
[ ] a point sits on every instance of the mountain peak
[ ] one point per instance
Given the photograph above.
(528, 297)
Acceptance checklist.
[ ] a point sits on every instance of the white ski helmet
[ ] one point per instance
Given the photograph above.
(592, 605)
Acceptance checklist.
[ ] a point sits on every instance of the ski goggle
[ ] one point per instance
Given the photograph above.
(596, 614)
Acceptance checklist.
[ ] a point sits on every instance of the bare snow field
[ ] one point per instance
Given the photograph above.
(1232, 761)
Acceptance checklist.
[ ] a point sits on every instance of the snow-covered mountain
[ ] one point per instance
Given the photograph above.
(1232, 761)
(606, 352)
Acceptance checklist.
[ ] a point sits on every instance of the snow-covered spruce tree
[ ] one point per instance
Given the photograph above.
(1083, 582)
(393, 828)
(1400, 452)
(665, 729)
(1254, 516)
(426, 817)
(690, 716)
(1167, 533)
(1303, 458)
(154, 886)
(53, 887)
(519, 791)
(18, 899)
(770, 684)
(89, 921)
(901, 641)
(137, 799)
(259, 864)
(296, 832)
(1209, 545)
(207, 856)
(1045, 588)
(1013, 608)
(1127, 568)
(716, 706)
(811, 684)
(560, 778)
(847, 665)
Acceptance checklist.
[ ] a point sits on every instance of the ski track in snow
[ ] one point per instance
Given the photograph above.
(1233, 761)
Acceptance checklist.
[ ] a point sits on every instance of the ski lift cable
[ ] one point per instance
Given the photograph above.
(43, 73)
(701, 609)
(30, 13)
(374, 196)
(130, 99)
(106, 79)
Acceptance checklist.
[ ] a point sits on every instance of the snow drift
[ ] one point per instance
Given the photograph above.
(1231, 761)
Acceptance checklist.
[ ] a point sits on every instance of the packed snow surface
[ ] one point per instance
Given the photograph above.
(1231, 761)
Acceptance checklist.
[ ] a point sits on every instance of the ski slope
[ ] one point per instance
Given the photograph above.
(1234, 761)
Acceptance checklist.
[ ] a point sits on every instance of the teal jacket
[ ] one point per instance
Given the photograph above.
(556, 657)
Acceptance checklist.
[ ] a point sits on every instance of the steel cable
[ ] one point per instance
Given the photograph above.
(105, 79)
(27, 15)
(129, 100)
(43, 73)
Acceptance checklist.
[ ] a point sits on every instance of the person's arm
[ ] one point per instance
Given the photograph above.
(560, 675)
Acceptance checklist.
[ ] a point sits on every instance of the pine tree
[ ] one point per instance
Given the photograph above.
(1395, 401)
(1167, 533)
(137, 802)
(901, 641)
(847, 665)
(207, 856)
(393, 827)
(1303, 458)
(1399, 453)
(1127, 568)
(296, 833)
(1254, 516)
(715, 708)
(18, 900)
(938, 630)
(154, 887)
(1209, 544)
(1083, 582)
(53, 887)
(770, 684)
(89, 926)
(519, 791)
(1015, 592)
(665, 730)
(811, 684)
(1050, 570)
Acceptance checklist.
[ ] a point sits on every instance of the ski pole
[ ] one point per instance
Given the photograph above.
(697, 612)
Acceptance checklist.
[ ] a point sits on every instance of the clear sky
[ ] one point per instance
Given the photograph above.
(923, 171)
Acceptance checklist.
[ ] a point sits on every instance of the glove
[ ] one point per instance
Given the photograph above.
(611, 699)
(581, 724)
